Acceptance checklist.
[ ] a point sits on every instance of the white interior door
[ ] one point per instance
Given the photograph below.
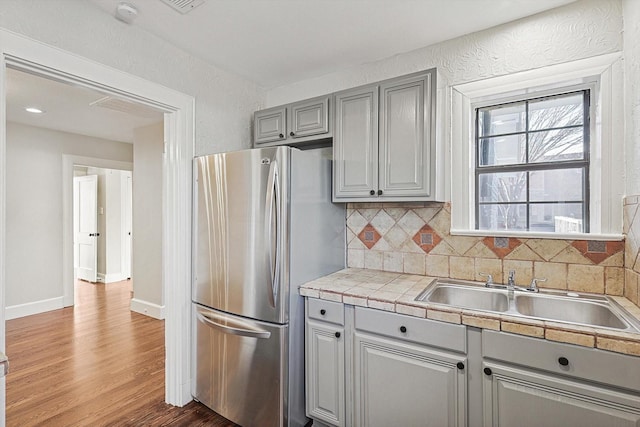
(87, 234)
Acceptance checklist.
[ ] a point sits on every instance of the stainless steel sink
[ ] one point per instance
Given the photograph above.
(465, 296)
(565, 309)
(559, 306)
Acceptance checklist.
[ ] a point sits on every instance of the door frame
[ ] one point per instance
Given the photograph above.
(41, 59)
(68, 162)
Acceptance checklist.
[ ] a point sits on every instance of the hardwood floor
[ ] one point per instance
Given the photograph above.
(95, 364)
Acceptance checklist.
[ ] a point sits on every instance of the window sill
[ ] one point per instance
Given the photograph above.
(537, 235)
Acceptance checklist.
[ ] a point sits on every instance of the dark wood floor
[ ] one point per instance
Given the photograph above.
(96, 364)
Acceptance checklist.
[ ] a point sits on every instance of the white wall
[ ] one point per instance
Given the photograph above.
(224, 101)
(34, 207)
(632, 94)
(147, 220)
(579, 30)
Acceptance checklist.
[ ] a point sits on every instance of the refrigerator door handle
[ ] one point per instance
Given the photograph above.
(273, 204)
(232, 327)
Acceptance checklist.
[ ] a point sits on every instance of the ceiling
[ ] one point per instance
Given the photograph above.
(271, 42)
(68, 108)
(275, 42)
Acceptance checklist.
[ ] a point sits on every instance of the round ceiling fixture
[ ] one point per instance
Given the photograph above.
(34, 110)
(126, 12)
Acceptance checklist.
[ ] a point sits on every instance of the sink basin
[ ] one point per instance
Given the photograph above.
(465, 296)
(553, 305)
(569, 310)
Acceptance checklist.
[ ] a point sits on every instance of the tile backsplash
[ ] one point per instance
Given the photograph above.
(415, 238)
(632, 249)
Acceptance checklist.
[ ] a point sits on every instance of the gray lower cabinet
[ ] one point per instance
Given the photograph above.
(530, 382)
(324, 362)
(400, 384)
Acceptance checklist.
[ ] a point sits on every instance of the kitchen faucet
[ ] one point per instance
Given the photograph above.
(511, 283)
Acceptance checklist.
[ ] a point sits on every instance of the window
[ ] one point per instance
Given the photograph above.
(532, 164)
(539, 153)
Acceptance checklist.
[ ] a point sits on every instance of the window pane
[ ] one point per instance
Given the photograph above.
(559, 218)
(509, 118)
(556, 185)
(503, 187)
(502, 217)
(556, 145)
(559, 111)
(502, 150)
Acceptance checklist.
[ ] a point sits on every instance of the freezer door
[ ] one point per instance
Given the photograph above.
(240, 368)
(240, 244)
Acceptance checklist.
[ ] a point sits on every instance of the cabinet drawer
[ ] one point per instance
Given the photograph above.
(412, 329)
(620, 370)
(327, 311)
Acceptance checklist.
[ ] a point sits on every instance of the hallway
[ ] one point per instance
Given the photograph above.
(94, 364)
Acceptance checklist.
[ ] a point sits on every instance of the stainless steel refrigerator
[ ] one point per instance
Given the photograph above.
(264, 224)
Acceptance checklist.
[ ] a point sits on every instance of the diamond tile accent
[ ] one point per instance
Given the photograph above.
(369, 236)
(501, 246)
(597, 251)
(427, 238)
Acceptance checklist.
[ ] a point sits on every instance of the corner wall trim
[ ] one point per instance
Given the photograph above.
(36, 307)
(147, 308)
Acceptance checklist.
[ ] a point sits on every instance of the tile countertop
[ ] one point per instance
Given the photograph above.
(396, 292)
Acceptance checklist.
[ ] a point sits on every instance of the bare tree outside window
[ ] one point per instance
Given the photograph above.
(532, 164)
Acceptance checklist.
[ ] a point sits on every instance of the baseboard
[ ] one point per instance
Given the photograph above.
(30, 308)
(147, 308)
(114, 277)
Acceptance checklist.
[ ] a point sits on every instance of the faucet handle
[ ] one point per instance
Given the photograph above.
(534, 284)
(489, 277)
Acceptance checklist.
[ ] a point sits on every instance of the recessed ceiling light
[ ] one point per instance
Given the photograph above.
(34, 110)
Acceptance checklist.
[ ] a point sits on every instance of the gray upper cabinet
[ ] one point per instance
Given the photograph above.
(355, 151)
(270, 125)
(295, 123)
(384, 143)
(309, 118)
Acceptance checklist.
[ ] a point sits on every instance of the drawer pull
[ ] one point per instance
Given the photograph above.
(488, 371)
(337, 334)
(460, 365)
(563, 361)
(403, 329)
(323, 311)
(372, 192)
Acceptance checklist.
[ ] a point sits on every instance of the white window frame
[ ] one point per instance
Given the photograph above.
(603, 76)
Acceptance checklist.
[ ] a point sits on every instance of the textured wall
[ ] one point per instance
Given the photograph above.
(224, 101)
(632, 94)
(415, 238)
(579, 30)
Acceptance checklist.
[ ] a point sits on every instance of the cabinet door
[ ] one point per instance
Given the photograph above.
(397, 384)
(309, 118)
(405, 137)
(355, 143)
(324, 363)
(520, 398)
(269, 125)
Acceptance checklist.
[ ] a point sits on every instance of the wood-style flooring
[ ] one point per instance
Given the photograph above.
(94, 364)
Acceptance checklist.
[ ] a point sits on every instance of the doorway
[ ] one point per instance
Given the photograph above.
(102, 220)
(27, 55)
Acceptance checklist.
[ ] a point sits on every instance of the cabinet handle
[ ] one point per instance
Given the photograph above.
(403, 329)
(488, 371)
(460, 365)
(291, 133)
(281, 135)
(323, 311)
(563, 361)
(372, 192)
(379, 192)
(337, 334)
